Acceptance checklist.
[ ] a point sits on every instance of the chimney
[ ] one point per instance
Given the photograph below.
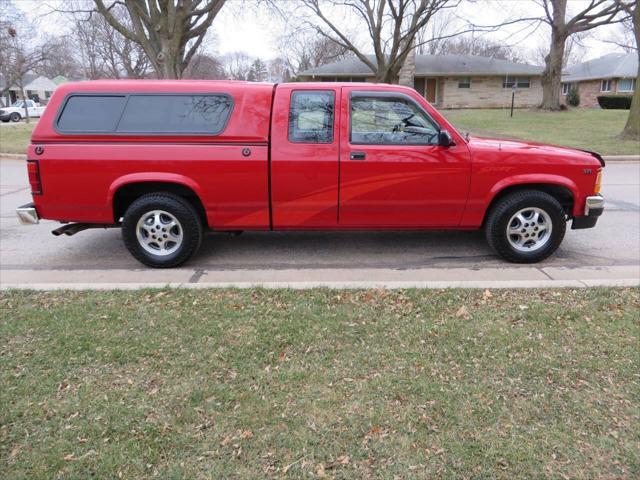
(408, 70)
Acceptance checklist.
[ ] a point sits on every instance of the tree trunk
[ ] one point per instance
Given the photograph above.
(552, 75)
(24, 100)
(386, 75)
(632, 128)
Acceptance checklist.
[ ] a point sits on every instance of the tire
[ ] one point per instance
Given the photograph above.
(176, 240)
(526, 226)
(15, 117)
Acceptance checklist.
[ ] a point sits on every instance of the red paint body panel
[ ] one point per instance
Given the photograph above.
(284, 185)
(304, 177)
(401, 186)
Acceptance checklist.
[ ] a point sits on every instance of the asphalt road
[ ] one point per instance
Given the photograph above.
(30, 255)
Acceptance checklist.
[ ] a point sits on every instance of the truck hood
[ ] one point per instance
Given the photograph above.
(515, 146)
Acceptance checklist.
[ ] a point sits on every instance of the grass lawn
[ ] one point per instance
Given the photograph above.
(588, 129)
(305, 384)
(15, 138)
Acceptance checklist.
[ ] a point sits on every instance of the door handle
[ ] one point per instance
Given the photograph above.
(357, 156)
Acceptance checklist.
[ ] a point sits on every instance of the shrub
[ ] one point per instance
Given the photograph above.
(573, 97)
(615, 102)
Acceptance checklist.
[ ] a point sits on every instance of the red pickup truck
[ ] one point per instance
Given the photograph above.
(167, 160)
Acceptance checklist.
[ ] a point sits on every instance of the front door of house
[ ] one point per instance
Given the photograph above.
(431, 90)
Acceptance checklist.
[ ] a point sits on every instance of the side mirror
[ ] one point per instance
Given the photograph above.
(444, 139)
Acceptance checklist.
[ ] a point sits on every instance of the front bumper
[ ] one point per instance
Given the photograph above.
(27, 214)
(593, 208)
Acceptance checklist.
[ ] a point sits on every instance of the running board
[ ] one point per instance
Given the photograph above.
(73, 228)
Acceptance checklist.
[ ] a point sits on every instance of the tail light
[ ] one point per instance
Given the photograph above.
(598, 182)
(34, 177)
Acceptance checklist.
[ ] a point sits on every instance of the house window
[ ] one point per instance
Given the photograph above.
(519, 82)
(566, 88)
(626, 84)
(464, 82)
(605, 85)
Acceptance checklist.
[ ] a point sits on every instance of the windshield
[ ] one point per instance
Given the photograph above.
(19, 103)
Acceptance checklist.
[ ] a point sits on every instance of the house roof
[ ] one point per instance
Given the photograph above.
(613, 65)
(28, 77)
(41, 84)
(432, 65)
(59, 79)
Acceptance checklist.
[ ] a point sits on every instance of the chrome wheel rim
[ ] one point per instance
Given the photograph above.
(159, 232)
(529, 229)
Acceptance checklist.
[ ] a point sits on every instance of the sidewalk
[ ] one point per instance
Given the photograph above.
(508, 277)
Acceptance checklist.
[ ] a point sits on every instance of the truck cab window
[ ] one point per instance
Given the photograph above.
(311, 117)
(390, 121)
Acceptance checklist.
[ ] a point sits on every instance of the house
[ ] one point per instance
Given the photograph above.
(452, 81)
(613, 74)
(37, 88)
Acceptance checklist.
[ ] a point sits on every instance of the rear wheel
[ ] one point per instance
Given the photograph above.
(161, 230)
(15, 117)
(526, 226)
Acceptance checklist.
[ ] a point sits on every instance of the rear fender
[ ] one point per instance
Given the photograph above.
(148, 177)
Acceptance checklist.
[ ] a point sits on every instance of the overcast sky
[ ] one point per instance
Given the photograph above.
(241, 26)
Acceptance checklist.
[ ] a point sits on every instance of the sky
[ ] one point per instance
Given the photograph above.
(242, 26)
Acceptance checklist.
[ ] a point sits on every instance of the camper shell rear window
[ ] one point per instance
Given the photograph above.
(145, 114)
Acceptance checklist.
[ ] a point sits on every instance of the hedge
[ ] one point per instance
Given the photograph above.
(615, 102)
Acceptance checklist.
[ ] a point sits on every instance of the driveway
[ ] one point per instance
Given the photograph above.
(609, 254)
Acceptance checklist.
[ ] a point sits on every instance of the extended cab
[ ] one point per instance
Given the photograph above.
(167, 160)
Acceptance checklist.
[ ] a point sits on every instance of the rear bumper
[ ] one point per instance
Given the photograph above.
(593, 208)
(27, 214)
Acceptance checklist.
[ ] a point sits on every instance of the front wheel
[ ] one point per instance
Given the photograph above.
(15, 117)
(526, 226)
(161, 230)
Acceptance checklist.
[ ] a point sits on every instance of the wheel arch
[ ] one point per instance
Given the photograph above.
(562, 189)
(127, 189)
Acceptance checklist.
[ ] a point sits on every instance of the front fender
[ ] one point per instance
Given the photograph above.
(532, 178)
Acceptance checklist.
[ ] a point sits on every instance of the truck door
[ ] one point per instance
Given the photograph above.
(393, 173)
(304, 157)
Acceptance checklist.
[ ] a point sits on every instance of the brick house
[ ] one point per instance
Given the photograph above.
(613, 74)
(451, 81)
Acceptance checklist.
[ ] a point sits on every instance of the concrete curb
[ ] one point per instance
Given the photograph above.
(13, 156)
(490, 277)
(524, 284)
(621, 158)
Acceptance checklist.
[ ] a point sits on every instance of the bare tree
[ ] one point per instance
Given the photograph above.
(204, 66)
(104, 52)
(303, 49)
(19, 51)
(236, 65)
(169, 31)
(632, 127)
(65, 61)
(596, 13)
(480, 46)
(278, 70)
(624, 37)
(392, 26)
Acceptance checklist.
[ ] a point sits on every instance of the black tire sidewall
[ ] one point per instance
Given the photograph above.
(496, 231)
(182, 210)
(15, 117)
